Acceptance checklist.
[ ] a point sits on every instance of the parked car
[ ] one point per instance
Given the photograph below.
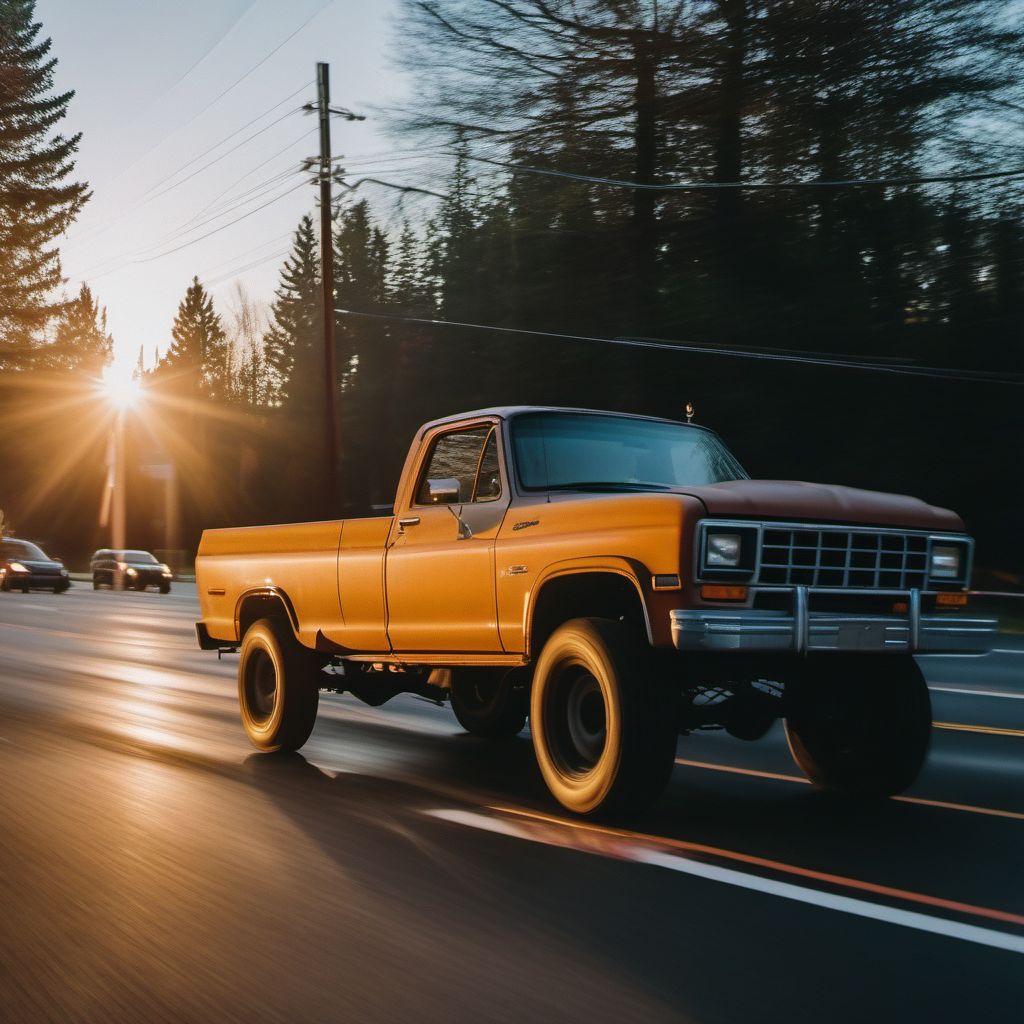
(138, 570)
(25, 566)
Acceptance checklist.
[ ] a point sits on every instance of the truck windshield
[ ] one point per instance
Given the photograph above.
(588, 450)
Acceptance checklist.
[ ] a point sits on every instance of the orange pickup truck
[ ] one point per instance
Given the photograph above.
(620, 581)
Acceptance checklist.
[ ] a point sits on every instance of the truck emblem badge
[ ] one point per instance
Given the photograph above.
(517, 570)
(526, 523)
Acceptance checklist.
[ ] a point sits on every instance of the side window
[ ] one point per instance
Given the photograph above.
(488, 481)
(455, 457)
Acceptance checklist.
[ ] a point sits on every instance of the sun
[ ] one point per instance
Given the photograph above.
(121, 387)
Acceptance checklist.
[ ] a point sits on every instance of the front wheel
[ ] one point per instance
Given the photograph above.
(604, 725)
(277, 692)
(862, 726)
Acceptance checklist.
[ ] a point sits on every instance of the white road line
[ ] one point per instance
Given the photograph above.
(978, 693)
(642, 854)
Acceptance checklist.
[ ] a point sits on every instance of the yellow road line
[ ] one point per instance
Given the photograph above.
(991, 730)
(779, 777)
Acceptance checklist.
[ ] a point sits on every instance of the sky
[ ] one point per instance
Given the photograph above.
(153, 94)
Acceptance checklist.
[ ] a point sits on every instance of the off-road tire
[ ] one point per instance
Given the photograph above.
(861, 726)
(604, 724)
(487, 702)
(277, 687)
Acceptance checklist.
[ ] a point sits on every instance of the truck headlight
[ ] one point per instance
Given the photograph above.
(18, 567)
(946, 562)
(723, 550)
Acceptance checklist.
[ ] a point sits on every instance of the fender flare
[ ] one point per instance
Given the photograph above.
(275, 593)
(619, 565)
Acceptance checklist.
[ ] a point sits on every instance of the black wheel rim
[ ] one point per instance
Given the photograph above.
(260, 686)
(577, 723)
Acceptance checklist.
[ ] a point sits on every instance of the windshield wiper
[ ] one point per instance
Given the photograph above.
(608, 485)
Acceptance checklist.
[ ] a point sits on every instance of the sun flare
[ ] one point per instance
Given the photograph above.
(121, 387)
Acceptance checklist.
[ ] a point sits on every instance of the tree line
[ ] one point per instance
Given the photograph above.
(537, 121)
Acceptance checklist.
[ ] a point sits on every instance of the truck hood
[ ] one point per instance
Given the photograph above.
(796, 500)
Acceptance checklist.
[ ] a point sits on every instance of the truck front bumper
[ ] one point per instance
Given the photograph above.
(802, 629)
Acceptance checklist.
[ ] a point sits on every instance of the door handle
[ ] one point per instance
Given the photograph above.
(408, 521)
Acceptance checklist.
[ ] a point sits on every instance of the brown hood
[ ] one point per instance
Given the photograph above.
(793, 499)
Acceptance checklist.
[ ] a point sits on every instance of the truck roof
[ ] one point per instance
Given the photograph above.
(508, 411)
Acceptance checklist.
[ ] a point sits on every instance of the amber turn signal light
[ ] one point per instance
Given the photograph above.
(951, 600)
(715, 592)
(900, 608)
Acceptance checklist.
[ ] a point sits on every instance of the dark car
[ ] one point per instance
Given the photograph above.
(137, 570)
(25, 566)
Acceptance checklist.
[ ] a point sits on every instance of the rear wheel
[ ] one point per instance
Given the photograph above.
(277, 687)
(603, 724)
(487, 702)
(861, 726)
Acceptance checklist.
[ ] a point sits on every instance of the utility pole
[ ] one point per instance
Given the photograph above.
(323, 95)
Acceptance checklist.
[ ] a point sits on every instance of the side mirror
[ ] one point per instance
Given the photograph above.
(444, 492)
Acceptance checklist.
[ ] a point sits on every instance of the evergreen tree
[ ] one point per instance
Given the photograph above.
(37, 202)
(82, 341)
(199, 355)
(293, 343)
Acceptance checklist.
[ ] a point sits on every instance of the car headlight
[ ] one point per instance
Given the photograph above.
(132, 572)
(723, 550)
(946, 562)
(18, 567)
(63, 572)
(166, 570)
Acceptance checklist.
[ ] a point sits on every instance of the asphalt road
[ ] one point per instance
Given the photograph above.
(154, 868)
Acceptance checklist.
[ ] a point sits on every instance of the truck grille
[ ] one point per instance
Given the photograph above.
(793, 556)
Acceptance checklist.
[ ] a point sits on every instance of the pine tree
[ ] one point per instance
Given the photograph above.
(82, 341)
(37, 203)
(293, 341)
(199, 352)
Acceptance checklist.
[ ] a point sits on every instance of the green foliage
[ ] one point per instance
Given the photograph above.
(295, 334)
(37, 201)
(198, 360)
(82, 344)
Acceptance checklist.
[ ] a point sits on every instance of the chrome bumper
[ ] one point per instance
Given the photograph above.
(803, 630)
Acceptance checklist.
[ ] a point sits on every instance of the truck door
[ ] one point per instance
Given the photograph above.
(439, 568)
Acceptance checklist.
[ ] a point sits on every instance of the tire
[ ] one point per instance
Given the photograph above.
(487, 703)
(95, 583)
(165, 588)
(861, 727)
(277, 692)
(604, 725)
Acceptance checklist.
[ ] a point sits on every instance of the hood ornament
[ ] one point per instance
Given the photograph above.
(689, 412)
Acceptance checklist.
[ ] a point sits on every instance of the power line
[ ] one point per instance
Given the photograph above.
(227, 138)
(252, 170)
(194, 241)
(944, 373)
(213, 282)
(217, 160)
(923, 179)
(238, 81)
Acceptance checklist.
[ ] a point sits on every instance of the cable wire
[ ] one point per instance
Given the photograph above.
(945, 373)
(922, 179)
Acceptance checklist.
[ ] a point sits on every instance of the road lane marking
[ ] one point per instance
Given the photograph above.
(779, 777)
(990, 730)
(654, 850)
(978, 693)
